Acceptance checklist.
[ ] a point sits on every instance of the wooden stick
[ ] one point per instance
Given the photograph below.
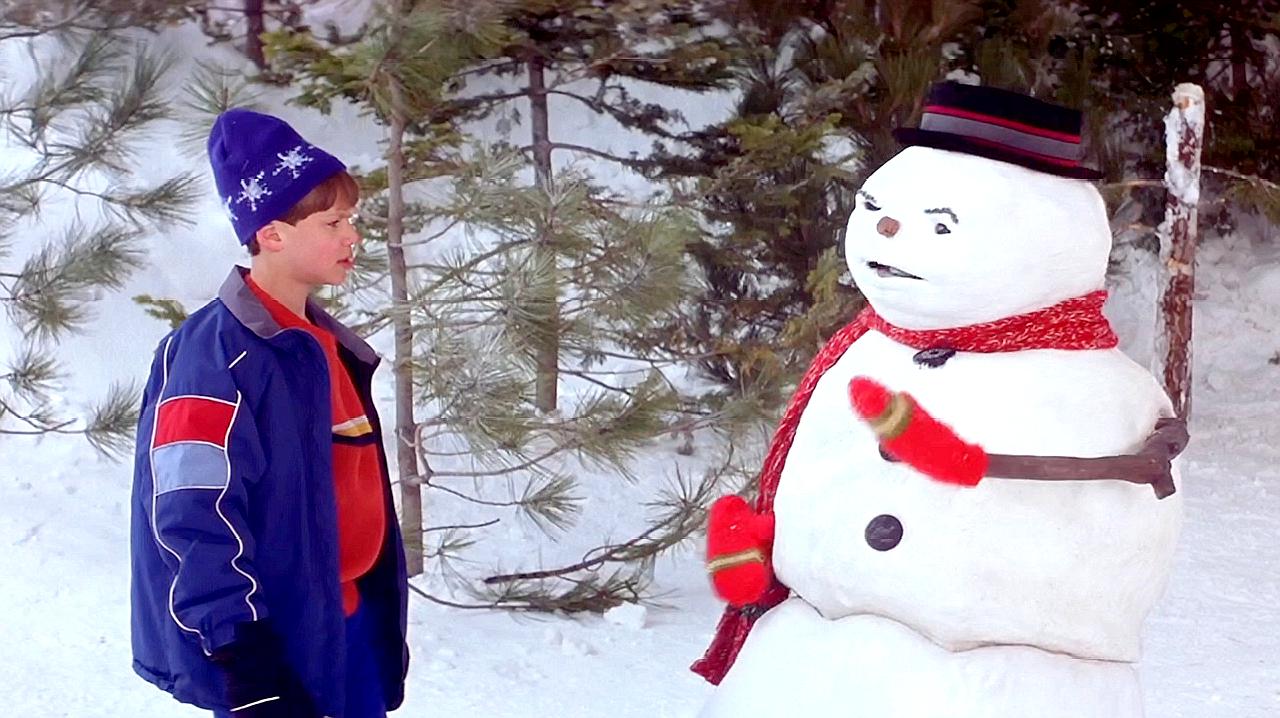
(1152, 464)
(1178, 237)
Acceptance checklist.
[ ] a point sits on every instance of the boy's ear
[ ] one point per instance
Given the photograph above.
(269, 238)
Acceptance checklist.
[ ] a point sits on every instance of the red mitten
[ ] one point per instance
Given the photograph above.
(909, 434)
(739, 544)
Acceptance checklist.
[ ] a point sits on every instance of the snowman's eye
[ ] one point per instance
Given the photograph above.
(872, 206)
(941, 228)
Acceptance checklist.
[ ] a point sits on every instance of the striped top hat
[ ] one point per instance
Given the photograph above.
(1001, 125)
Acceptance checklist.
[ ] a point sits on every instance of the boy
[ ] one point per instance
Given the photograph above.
(268, 572)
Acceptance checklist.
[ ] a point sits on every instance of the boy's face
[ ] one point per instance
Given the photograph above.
(318, 250)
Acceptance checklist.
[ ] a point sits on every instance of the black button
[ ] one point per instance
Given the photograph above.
(933, 357)
(884, 532)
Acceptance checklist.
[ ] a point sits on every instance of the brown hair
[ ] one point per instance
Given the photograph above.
(341, 188)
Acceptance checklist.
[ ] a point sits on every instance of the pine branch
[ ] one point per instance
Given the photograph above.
(125, 115)
(39, 420)
(77, 21)
(547, 504)
(462, 104)
(608, 554)
(32, 374)
(211, 91)
(48, 298)
(56, 92)
(535, 461)
(454, 527)
(585, 376)
(452, 604)
(587, 596)
(629, 162)
(110, 427)
(162, 205)
(166, 310)
(578, 588)
(1251, 179)
(685, 507)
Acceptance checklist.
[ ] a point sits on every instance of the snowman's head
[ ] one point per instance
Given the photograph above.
(943, 239)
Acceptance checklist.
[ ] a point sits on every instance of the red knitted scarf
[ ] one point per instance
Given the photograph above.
(1075, 324)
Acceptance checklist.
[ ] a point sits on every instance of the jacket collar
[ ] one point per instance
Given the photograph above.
(248, 310)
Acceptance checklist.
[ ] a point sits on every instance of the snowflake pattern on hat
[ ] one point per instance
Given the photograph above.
(292, 161)
(252, 191)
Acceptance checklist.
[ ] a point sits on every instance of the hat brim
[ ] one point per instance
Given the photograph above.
(914, 136)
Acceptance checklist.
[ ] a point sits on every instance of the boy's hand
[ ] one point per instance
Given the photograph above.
(258, 682)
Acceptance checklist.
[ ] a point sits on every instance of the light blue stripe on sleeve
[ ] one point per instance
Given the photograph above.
(189, 466)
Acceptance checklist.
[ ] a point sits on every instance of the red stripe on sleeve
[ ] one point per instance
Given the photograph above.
(193, 418)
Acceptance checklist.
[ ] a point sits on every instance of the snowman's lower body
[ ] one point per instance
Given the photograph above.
(798, 664)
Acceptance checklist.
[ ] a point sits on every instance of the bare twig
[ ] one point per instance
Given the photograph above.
(473, 499)
(507, 469)
(629, 162)
(1132, 183)
(1251, 179)
(452, 604)
(597, 382)
(606, 554)
(461, 526)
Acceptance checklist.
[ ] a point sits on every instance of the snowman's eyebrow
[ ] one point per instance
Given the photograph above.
(944, 210)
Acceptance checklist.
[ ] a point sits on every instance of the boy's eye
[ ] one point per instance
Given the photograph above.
(941, 228)
(871, 205)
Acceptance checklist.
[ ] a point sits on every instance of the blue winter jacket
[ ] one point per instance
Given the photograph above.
(234, 515)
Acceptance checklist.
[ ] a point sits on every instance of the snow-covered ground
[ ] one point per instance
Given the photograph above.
(1212, 646)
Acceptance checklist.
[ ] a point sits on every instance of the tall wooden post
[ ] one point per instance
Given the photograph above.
(1178, 234)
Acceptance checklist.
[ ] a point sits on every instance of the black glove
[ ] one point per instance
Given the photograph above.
(258, 682)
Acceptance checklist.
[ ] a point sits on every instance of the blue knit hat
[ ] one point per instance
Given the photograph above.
(262, 168)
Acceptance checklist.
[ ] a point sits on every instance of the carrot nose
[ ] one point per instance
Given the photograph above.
(888, 226)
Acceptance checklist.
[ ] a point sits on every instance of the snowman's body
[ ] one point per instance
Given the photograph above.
(1012, 598)
(799, 664)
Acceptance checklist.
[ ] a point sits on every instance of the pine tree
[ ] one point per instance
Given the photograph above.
(1229, 49)
(245, 24)
(822, 85)
(38, 18)
(398, 69)
(522, 289)
(241, 23)
(71, 134)
(584, 51)
(565, 285)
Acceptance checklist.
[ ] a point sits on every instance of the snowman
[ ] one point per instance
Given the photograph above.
(969, 506)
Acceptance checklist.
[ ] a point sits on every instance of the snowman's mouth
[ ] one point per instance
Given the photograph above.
(885, 270)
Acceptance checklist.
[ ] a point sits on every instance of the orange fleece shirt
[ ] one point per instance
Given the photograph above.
(357, 473)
